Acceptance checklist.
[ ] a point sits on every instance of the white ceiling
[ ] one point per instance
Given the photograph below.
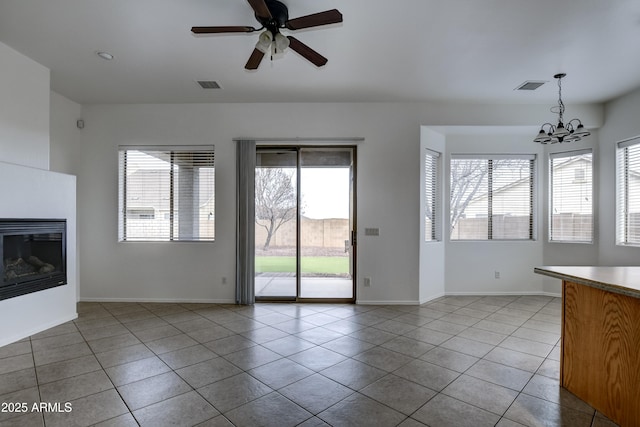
(404, 50)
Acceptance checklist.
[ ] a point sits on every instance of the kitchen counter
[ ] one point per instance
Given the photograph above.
(600, 352)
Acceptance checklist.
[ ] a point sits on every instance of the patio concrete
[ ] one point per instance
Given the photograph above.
(278, 285)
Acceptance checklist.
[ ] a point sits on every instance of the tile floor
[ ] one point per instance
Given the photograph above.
(456, 361)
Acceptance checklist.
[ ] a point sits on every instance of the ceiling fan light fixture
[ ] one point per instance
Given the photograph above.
(264, 41)
(281, 42)
(273, 16)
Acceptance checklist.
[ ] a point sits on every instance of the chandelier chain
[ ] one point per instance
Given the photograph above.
(560, 103)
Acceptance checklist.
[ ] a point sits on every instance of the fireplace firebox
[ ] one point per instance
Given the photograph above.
(33, 255)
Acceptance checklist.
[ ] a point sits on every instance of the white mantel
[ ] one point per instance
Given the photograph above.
(36, 193)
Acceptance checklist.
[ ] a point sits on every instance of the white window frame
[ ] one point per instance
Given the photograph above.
(562, 155)
(185, 225)
(624, 149)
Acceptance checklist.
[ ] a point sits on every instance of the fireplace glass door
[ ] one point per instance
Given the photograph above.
(33, 256)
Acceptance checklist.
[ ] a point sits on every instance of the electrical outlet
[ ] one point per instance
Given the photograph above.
(496, 274)
(367, 282)
(224, 280)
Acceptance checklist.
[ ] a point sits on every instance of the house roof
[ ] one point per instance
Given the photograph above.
(150, 188)
(411, 50)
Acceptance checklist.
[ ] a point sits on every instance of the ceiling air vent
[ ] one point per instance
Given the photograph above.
(208, 84)
(530, 85)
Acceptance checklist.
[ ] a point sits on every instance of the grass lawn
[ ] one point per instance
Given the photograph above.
(287, 264)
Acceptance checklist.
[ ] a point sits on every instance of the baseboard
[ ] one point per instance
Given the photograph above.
(431, 298)
(13, 338)
(394, 302)
(162, 300)
(485, 294)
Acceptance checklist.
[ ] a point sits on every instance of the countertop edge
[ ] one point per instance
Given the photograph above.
(608, 287)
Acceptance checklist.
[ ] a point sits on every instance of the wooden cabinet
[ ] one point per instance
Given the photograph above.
(600, 358)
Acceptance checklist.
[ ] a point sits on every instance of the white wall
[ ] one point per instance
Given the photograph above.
(194, 271)
(389, 188)
(470, 266)
(560, 253)
(621, 123)
(64, 134)
(24, 110)
(432, 253)
(31, 191)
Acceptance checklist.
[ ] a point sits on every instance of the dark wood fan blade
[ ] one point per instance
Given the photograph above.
(254, 60)
(308, 53)
(323, 18)
(260, 8)
(218, 30)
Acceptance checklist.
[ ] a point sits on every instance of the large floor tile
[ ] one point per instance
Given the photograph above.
(272, 410)
(317, 358)
(383, 358)
(398, 393)
(280, 373)
(17, 380)
(89, 410)
(75, 387)
(316, 393)
(359, 410)
(449, 359)
(531, 411)
(136, 371)
(187, 356)
(445, 411)
(184, 410)
(208, 372)
(353, 374)
(427, 374)
(453, 361)
(503, 375)
(230, 393)
(480, 393)
(153, 390)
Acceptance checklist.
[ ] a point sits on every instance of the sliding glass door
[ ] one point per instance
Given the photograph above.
(305, 205)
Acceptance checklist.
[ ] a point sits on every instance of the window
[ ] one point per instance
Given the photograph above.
(166, 193)
(571, 196)
(432, 202)
(492, 197)
(628, 192)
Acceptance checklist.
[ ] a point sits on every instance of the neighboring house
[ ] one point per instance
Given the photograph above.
(572, 203)
(149, 205)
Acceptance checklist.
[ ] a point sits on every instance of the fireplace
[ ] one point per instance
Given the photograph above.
(33, 255)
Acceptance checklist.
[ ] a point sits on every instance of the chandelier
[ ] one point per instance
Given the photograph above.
(571, 131)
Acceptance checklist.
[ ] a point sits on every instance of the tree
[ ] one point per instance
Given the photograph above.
(467, 177)
(276, 199)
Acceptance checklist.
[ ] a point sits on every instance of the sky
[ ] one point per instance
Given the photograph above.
(325, 192)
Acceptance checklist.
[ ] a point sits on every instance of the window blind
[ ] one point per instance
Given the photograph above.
(166, 193)
(431, 186)
(492, 197)
(628, 192)
(571, 196)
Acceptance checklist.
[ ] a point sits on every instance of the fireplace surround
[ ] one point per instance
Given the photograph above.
(33, 255)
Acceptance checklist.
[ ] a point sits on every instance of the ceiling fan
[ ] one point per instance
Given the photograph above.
(274, 15)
